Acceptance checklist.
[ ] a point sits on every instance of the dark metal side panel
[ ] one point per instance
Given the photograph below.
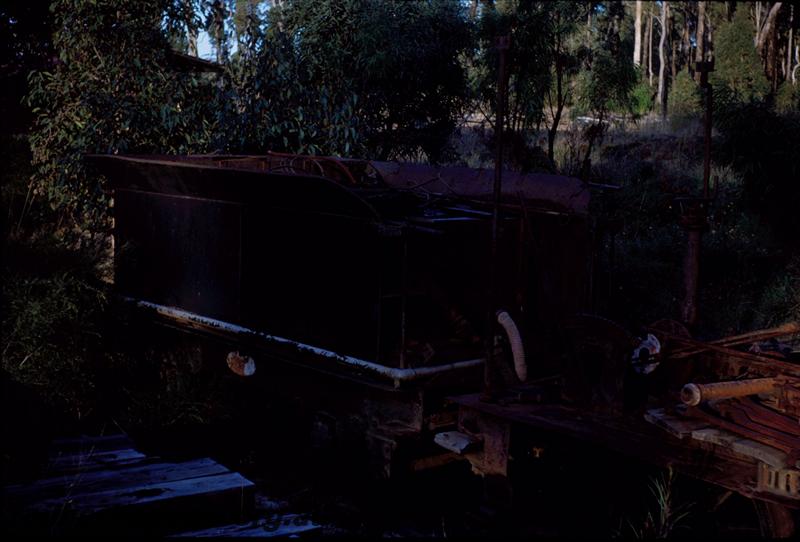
(179, 251)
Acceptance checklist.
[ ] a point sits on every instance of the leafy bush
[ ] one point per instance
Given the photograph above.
(764, 148)
(52, 307)
(749, 277)
(737, 65)
(641, 99)
(607, 85)
(271, 101)
(528, 60)
(787, 99)
(112, 90)
(684, 97)
(396, 64)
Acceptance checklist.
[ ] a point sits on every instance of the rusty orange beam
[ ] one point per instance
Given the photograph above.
(756, 361)
(734, 340)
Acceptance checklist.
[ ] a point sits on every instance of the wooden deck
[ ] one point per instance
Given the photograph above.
(102, 485)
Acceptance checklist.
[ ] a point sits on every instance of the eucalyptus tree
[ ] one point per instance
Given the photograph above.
(566, 52)
(111, 90)
(368, 77)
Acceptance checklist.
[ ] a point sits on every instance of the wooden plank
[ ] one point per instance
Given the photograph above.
(93, 461)
(749, 448)
(762, 452)
(150, 493)
(69, 485)
(104, 443)
(289, 525)
(675, 425)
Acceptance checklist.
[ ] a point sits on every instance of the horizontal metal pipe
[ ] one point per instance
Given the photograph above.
(395, 373)
(692, 394)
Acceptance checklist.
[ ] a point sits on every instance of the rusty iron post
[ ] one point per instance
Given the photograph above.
(694, 211)
(705, 68)
(490, 368)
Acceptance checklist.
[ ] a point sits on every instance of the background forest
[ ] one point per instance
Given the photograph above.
(605, 91)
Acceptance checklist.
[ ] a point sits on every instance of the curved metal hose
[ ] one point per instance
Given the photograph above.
(515, 340)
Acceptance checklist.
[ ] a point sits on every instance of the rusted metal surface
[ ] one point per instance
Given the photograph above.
(694, 211)
(346, 255)
(188, 63)
(758, 363)
(692, 394)
(552, 192)
(772, 425)
(693, 219)
(739, 425)
(491, 369)
(245, 366)
(729, 439)
(628, 436)
(789, 328)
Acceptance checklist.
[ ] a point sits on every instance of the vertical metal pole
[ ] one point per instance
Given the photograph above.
(694, 215)
(691, 267)
(403, 302)
(707, 132)
(490, 368)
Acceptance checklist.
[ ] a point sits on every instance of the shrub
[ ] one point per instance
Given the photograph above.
(52, 307)
(111, 90)
(787, 99)
(641, 99)
(684, 97)
(737, 65)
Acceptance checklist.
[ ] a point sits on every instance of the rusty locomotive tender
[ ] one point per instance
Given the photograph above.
(364, 284)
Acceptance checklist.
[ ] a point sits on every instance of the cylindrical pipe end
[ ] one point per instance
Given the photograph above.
(691, 394)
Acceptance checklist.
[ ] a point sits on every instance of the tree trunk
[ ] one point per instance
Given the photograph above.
(674, 50)
(191, 28)
(637, 35)
(686, 45)
(560, 102)
(757, 9)
(662, 59)
(650, 49)
(218, 30)
(789, 46)
(594, 132)
(767, 44)
(768, 27)
(701, 32)
(673, 73)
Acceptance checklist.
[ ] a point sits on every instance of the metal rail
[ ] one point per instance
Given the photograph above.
(212, 324)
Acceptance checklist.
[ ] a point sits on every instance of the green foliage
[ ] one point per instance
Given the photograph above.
(684, 97)
(529, 59)
(737, 66)
(52, 307)
(764, 148)
(787, 99)
(271, 101)
(607, 84)
(395, 63)
(749, 273)
(641, 99)
(668, 516)
(111, 91)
